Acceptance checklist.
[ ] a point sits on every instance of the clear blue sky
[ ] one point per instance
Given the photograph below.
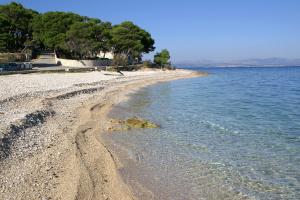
(194, 30)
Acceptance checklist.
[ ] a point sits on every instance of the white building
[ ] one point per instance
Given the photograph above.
(108, 55)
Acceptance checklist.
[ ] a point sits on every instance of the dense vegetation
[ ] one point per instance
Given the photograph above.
(162, 58)
(70, 35)
(15, 27)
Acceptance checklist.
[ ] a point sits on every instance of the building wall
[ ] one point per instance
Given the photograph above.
(82, 63)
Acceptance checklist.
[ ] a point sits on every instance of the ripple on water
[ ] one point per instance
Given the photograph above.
(231, 135)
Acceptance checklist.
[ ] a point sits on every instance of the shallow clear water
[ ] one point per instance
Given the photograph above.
(234, 134)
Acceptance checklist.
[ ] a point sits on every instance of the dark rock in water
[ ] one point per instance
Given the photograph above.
(131, 123)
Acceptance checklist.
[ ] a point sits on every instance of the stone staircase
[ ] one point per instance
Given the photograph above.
(45, 59)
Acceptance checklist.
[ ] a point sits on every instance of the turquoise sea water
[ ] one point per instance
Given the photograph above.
(234, 134)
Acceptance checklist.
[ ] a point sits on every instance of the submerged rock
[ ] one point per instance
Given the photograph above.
(139, 123)
(130, 123)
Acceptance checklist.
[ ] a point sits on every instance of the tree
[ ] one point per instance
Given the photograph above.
(130, 40)
(79, 39)
(70, 35)
(162, 58)
(5, 37)
(16, 26)
(102, 36)
(50, 29)
(87, 38)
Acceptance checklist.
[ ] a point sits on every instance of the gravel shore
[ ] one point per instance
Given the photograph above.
(50, 124)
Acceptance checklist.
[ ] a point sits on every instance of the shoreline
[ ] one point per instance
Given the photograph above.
(73, 151)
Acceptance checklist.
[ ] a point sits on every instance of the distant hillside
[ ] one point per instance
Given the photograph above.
(259, 62)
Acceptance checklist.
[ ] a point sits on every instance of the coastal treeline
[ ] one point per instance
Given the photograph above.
(70, 35)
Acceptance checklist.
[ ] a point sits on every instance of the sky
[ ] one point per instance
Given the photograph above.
(197, 30)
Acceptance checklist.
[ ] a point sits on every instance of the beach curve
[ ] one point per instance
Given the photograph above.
(50, 142)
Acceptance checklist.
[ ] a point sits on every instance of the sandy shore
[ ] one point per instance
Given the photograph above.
(50, 125)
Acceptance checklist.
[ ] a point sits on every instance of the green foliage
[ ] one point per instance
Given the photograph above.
(50, 28)
(5, 37)
(79, 39)
(131, 41)
(162, 58)
(16, 26)
(102, 35)
(70, 35)
(87, 38)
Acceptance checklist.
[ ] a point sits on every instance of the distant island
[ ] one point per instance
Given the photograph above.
(255, 62)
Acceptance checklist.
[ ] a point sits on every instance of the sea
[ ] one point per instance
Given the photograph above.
(234, 134)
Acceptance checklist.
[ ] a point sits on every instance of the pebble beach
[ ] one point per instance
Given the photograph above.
(49, 133)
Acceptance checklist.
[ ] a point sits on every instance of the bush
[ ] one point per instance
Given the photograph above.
(12, 57)
(148, 63)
